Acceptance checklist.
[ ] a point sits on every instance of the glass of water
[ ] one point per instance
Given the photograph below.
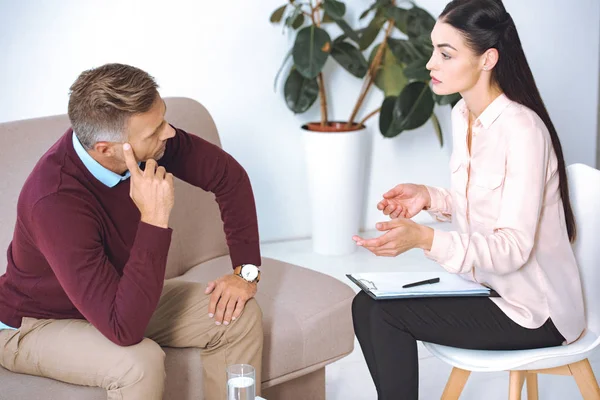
(241, 382)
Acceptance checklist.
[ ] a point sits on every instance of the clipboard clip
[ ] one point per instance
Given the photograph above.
(369, 284)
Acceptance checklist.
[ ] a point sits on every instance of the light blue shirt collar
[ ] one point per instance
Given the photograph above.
(3, 326)
(106, 176)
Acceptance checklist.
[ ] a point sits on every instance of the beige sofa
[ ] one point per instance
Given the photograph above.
(307, 319)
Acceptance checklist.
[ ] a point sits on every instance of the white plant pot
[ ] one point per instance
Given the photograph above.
(336, 166)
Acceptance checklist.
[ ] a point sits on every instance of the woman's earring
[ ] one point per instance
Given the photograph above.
(485, 68)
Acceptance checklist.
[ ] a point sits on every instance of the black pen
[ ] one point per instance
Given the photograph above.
(425, 282)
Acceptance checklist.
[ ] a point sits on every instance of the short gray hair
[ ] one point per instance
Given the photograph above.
(101, 101)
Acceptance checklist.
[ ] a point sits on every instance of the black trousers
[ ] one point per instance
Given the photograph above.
(388, 331)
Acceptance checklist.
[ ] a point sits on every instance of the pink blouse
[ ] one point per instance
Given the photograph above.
(506, 207)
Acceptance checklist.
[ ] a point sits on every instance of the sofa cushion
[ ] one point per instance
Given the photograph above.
(312, 310)
(314, 328)
(18, 386)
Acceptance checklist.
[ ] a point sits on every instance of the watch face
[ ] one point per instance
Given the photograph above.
(249, 272)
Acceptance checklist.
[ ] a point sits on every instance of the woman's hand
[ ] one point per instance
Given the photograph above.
(400, 235)
(405, 200)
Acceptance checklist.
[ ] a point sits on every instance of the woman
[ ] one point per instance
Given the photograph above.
(510, 206)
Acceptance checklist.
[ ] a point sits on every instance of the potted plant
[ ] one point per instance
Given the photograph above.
(336, 150)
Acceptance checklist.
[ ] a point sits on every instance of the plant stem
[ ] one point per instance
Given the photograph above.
(323, 100)
(369, 116)
(371, 72)
(314, 15)
(317, 15)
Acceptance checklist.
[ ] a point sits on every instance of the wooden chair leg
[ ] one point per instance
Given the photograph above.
(586, 381)
(532, 386)
(456, 383)
(517, 378)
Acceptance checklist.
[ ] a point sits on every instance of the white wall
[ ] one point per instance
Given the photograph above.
(598, 137)
(226, 54)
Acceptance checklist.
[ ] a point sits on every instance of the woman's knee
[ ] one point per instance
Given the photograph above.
(362, 306)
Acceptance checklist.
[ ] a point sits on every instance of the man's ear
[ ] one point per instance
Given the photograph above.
(104, 148)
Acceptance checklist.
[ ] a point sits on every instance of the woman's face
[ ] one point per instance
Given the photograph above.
(454, 67)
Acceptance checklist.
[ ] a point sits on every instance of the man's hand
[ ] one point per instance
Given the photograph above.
(400, 235)
(229, 296)
(152, 190)
(405, 200)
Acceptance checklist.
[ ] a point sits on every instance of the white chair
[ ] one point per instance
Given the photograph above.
(584, 185)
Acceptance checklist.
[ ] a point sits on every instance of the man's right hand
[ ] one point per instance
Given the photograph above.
(151, 190)
(405, 200)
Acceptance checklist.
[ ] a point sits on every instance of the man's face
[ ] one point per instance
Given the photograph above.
(148, 132)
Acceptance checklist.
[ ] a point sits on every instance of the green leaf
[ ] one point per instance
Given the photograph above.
(389, 76)
(293, 16)
(311, 49)
(416, 71)
(298, 21)
(335, 9)
(455, 100)
(285, 60)
(300, 93)
(327, 19)
(340, 39)
(399, 15)
(343, 36)
(383, 3)
(412, 109)
(404, 50)
(347, 30)
(418, 22)
(278, 14)
(364, 14)
(378, 5)
(438, 128)
(371, 32)
(350, 58)
(386, 115)
(422, 44)
(444, 100)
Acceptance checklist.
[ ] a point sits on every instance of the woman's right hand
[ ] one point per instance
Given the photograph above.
(405, 200)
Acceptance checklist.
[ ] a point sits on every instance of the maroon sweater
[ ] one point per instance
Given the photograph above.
(80, 251)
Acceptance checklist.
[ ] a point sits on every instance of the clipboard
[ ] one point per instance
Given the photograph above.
(388, 285)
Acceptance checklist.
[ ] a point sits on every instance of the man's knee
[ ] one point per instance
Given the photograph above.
(250, 323)
(145, 362)
(252, 313)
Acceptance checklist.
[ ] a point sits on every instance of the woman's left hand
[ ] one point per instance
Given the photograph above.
(401, 234)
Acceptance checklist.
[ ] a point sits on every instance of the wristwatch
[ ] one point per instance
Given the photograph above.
(248, 272)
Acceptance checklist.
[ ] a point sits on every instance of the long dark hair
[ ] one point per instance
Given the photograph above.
(485, 24)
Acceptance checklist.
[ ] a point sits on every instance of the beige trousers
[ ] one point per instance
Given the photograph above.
(74, 351)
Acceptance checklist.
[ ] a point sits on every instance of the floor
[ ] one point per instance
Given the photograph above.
(349, 379)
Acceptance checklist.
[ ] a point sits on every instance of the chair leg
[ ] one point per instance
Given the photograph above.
(532, 386)
(517, 378)
(456, 383)
(586, 381)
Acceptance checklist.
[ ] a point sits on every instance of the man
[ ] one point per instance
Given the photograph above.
(84, 298)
